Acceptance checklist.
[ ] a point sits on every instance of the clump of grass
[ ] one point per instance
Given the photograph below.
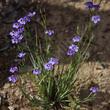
(55, 81)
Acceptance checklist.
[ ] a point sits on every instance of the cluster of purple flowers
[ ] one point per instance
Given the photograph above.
(91, 5)
(50, 64)
(72, 49)
(16, 37)
(14, 69)
(95, 18)
(18, 28)
(13, 77)
(47, 66)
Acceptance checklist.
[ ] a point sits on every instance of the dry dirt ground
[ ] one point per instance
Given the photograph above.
(63, 16)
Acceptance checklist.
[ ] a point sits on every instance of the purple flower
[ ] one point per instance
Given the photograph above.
(48, 66)
(14, 33)
(49, 32)
(94, 89)
(73, 47)
(92, 5)
(76, 39)
(16, 25)
(20, 37)
(95, 19)
(21, 55)
(12, 78)
(13, 69)
(16, 39)
(89, 4)
(34, 13)
(31, 14)
(22, 21)
(27, 19)
(53, 61)
(36, 71)
(20, 30)
(70, 52)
